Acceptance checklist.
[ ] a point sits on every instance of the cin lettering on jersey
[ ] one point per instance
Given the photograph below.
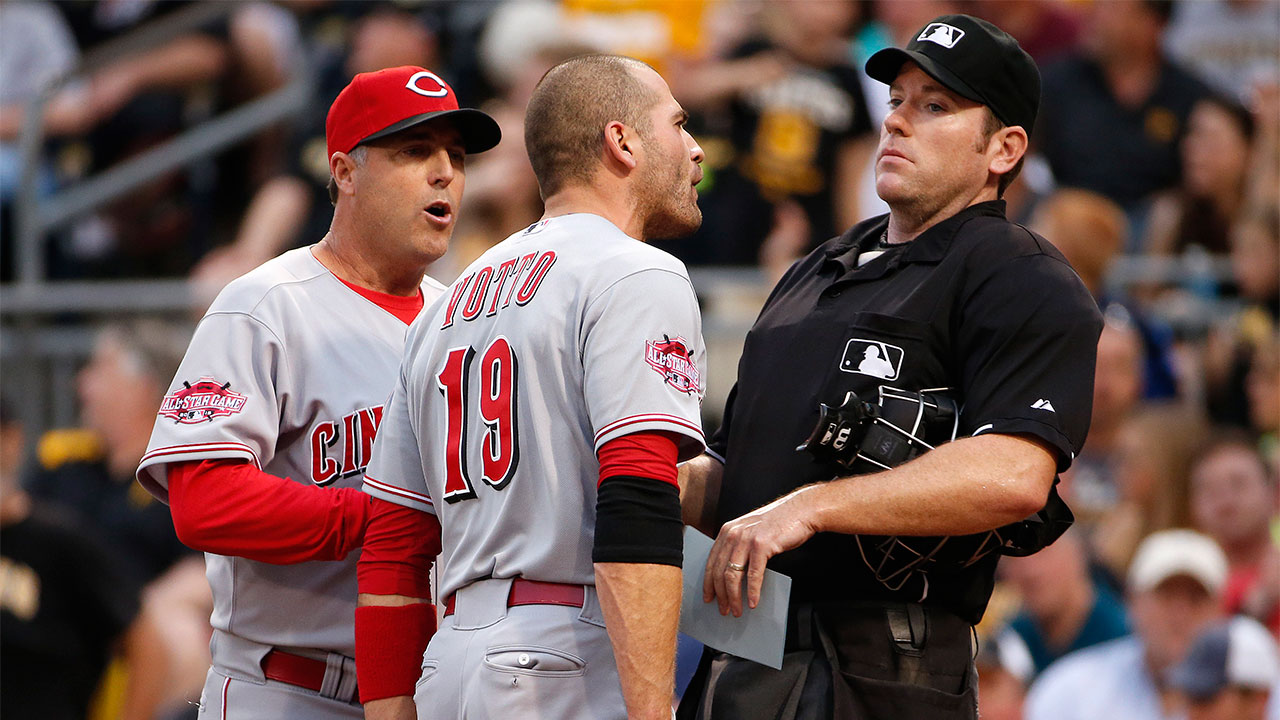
(341, 450)
(493, 287)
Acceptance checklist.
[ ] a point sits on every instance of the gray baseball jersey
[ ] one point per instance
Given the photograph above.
(562, 337)
(289, 369)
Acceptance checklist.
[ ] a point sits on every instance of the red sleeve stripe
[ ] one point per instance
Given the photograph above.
(650, 417)
(202, 449)
(397, 491)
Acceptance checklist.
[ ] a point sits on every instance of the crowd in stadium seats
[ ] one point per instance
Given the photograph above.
(1155, 170)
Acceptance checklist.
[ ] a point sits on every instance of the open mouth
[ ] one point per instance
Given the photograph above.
(440, 211)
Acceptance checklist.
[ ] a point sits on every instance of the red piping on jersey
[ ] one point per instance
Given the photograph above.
(226, 684)
(202, 448)
(230, 507)
(650, 417)
(404, 308)
(397, 491)
(647, 454)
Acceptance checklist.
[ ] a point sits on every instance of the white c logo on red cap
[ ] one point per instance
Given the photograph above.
(413, 84)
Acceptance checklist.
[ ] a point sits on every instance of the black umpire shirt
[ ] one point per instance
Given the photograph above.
(975, 303)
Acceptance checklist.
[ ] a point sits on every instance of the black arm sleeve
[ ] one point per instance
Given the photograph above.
(638, 521)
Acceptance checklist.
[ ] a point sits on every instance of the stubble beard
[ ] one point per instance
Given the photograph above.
(668, 213)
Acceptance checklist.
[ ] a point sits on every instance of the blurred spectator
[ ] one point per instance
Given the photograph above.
(1230, 673)
(1090, 486)
(1044, 28)
(1232, 44)
(1215, 172)
(1063, 608)
(1263, 388)
(1090, 231)
(1235, 393)
(1234, 501)
(36, 48)
(799, 133)
(1005, 670)
(293, 207)
(135, 103)
(64, 605)
(90, 470)
(1152, 463)
(1174, 591)
(1255, 258)
(1112, 114)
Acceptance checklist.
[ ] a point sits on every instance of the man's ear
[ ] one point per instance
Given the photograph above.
(1009, 144)
(342, 167)
(621, 143)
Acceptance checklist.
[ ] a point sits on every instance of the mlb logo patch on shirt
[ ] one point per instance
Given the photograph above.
(872, 357)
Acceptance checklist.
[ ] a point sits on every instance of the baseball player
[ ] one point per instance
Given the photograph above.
(542, 405)
(261, 444)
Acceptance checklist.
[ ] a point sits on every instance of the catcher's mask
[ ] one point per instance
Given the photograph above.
(859, 437)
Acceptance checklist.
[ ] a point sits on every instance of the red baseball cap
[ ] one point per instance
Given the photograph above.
(376, 104)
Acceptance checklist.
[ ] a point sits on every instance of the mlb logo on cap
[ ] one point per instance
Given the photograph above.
(945, 35)
(377, 104)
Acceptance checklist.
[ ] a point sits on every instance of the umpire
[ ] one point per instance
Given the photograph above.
(945, 320)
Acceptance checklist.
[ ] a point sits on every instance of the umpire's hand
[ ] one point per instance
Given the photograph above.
(745, 545)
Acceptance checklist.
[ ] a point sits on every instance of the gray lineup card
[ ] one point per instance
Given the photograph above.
(758, 635)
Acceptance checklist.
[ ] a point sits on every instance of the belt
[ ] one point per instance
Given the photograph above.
(534, 592)
(303, 672)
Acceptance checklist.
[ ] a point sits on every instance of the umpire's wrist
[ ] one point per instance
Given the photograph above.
(810, 504)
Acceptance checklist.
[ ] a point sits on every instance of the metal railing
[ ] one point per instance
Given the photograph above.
(36, 217)
(39, 360)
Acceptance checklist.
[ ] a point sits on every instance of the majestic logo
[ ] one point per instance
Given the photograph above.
(672, 358)
(1042, 404)
(438, 91)
(204, 401)
(941, 33)
(872, 357)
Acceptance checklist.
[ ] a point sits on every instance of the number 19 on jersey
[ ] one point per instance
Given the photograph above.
(497, 402)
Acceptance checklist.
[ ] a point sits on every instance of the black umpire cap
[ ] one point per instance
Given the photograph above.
(973, 58)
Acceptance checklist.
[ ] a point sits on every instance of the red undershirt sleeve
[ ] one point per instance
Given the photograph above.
(400, 545)
(230, 507)
(646, 454)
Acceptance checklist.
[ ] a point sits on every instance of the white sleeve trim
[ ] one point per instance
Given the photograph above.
(398, 495)
(649, 421)
(158, 485)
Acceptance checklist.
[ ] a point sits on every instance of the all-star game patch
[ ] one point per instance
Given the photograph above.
(203, 401)
(672, 358)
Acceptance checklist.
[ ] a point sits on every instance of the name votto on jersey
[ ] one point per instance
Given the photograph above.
(519, 276)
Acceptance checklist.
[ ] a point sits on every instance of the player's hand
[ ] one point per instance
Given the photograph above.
(745, 545)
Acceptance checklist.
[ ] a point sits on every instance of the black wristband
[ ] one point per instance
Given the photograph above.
(638, 521)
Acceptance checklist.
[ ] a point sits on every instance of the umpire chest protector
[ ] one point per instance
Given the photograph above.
(977, 305)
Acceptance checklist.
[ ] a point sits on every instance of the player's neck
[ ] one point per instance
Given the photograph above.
(907, 222)
(615, 207)
(368, 270)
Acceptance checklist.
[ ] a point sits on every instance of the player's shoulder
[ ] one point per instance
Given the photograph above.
(275, 277)
(988, 240)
